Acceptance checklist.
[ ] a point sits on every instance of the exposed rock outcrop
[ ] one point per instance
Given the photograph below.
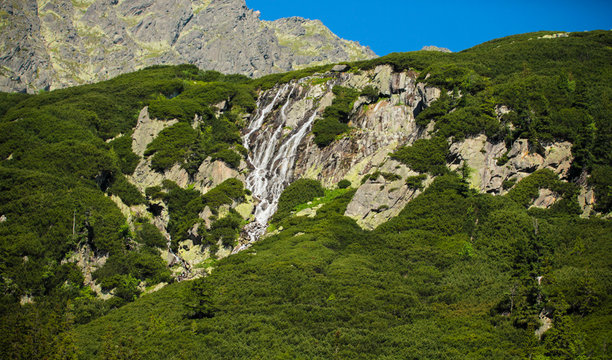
(146, 130)
(378, 128)
(312, 43)
(546, 198)
(210, 173)
(435, 48)
(378, 200)
(89, 261)
(57, 43)
(489, 170)
(546, 324)
(586, 200)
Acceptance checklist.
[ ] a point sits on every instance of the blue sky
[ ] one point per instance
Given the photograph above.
(395, 25)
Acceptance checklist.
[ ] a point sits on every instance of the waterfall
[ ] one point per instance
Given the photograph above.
(272, 157)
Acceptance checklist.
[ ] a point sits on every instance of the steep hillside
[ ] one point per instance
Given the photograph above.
(408, 206)
(58, 43)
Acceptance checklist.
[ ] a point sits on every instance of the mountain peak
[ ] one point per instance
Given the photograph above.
(61, 43)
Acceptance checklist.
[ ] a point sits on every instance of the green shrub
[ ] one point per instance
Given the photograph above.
(416, 182)
(601, 179)
(299, 192)
(436, 110)
(326, 130)
(143, 264)
(375, 175)
(127, 288)
(177, 108)
(425, 155)
(9, 100)
(123, 148)
(370, 92)
(390, 176)
(224, 194)
(343, 184)
(503, 159)
(335, 116)
(526, 190)
(154, 192)
(149, 235)
(229, 156)
(453, 76)
(81, 160)
(129, 194)
(170, 146)
(226, 229)
(508, 184)
(238, 95)
(473, 116)
(184, 205)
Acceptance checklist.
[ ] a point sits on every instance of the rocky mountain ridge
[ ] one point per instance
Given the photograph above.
(49, 44)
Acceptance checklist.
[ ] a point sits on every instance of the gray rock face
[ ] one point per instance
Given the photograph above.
(312, 43)
(488, 176)
(378, 128)
(378, 200)
(57, 43)
(23, 57)
(435, 48)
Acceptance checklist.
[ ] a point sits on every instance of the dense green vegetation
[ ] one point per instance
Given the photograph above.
(456, 274)
(416, 182)
(343, 184)
(122, 146)
(171, 145)
(299, 192)
(453, 274)
(214, 137)
(425, 155)
(62, 152)
(184, 206)
(217, 137)
(559, 91)
(335, 117)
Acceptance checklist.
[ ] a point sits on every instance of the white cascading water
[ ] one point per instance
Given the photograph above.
(272, 157)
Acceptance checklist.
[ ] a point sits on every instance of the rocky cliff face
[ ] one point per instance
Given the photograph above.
(379, 127)
(47, 44)
(282, 149)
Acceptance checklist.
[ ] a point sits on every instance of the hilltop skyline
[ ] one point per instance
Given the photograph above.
(401, 26)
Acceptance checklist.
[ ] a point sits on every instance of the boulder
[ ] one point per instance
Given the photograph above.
(340, 68)
(546, 198)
